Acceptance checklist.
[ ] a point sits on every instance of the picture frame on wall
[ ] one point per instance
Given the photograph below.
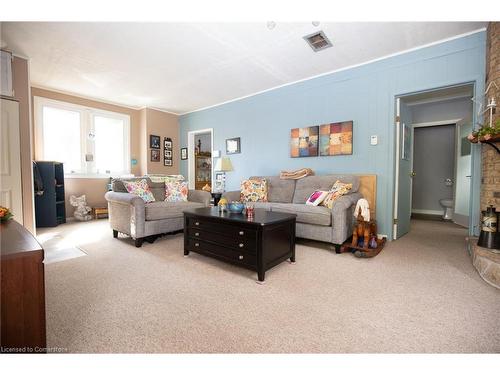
(336, 138)
(184, 153)
(155, 155)
(167, 143)
(168, 154)
(233, 146)
(219, 182)
(167, 162)
(304, 142)
(154, 141)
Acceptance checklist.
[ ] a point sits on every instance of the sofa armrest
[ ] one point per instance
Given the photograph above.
(232, 196)
(124, 198)
(127, 213)
(342, 216)
(200, 196)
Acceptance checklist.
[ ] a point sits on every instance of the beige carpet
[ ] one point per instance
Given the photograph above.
(421, 294)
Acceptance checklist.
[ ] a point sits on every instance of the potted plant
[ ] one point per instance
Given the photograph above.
(486, 133)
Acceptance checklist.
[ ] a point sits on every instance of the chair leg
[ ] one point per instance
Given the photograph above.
(115, 233)
(138, 242)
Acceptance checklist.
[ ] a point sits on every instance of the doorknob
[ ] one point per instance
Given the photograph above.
(413, 174)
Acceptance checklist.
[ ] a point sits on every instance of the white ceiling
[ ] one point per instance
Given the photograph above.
(181, 67)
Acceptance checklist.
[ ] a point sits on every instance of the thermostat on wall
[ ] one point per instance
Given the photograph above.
(374, 140)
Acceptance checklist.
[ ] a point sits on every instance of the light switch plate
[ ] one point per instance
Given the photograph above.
(374, 140)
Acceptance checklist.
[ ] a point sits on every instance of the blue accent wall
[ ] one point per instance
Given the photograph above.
(364, 94)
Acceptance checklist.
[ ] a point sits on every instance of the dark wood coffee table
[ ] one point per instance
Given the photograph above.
(257, 244)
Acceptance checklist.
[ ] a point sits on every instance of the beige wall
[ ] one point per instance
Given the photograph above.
(20, 80)
(490, 187)
(142, 123)
(165, 125)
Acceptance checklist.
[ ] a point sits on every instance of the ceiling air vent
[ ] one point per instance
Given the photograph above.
(318, 41)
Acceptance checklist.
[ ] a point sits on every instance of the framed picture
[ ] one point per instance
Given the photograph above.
(168, 154)
(167, 143)
(167, 162)
(154, 141)
(335, 139)
(405, 153)
(233, 146)
(155, 155)
(184, 153)
(304, 142)
(219, 182)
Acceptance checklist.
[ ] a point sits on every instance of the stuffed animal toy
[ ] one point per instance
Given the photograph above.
(82, 210)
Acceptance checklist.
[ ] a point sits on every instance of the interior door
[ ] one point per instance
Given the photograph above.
(402, 210)
(463, 174)
(10, 159)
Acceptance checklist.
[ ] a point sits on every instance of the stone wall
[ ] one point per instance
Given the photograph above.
(490, 187)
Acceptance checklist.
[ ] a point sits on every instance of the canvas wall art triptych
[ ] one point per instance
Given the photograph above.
(324, 140)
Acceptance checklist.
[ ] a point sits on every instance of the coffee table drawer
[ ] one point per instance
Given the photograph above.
(221, 252)
(247, 244)
(222, 228)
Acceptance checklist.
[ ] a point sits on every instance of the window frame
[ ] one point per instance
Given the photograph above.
(87, 114)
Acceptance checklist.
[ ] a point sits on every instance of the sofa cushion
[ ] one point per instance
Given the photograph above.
(305, 186)
(158, 190)
(176, 191)
(253, 190)
(141, 189)
(118, 186)
(317, 215)
(278, 190)
(264, 205)
(168, 210)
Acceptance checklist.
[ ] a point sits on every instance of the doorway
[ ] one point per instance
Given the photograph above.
(433, 157)
(200, 159)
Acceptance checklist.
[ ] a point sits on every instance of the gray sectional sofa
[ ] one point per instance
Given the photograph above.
(313, 222)
(145, 221)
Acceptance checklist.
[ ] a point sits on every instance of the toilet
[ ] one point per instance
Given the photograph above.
(447, 204)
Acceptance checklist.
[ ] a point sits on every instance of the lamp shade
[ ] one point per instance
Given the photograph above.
(223, 165)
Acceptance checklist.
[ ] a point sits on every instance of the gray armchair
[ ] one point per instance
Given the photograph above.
(129, 214)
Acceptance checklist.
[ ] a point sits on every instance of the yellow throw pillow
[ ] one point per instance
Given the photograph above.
(338, 189)
(254, 190)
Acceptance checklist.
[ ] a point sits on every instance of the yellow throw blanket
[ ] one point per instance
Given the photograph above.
(295, 175)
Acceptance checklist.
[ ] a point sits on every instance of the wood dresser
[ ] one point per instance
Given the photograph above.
(258, 244)
(23, 291)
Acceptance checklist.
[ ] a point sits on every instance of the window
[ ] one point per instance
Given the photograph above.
(90, 142)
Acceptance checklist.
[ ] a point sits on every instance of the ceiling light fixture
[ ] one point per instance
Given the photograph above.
(271, 25)
(315, 23)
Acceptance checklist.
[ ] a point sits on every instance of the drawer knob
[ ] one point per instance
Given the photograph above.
(241, 245)
(197, 223)
(242, 233)
(196, 244)
(241, 257)
(196, 234)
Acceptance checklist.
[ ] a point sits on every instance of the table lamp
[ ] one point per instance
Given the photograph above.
(223, 165)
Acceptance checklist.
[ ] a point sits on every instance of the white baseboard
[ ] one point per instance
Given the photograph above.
(426, 212)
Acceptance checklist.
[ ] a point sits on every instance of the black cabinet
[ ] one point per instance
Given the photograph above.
(50, 209)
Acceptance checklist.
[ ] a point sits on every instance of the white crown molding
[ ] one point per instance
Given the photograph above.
(342, 69)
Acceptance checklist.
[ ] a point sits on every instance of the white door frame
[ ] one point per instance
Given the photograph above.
(191, 156)
(396, 171)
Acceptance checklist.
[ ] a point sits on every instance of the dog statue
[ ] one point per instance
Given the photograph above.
(82, 210)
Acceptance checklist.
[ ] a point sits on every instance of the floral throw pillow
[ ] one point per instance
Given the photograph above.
(316, 198)
(253, 190)
(338, 189)
(141, 189)
(176, 191)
